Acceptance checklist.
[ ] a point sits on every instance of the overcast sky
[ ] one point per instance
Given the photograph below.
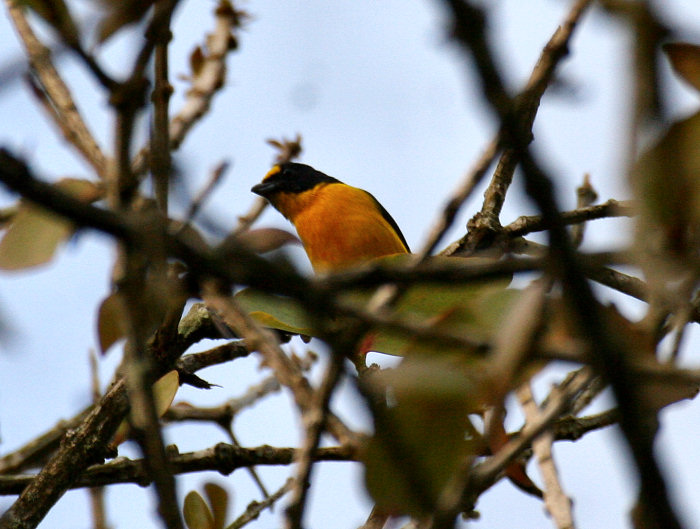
(385, 103)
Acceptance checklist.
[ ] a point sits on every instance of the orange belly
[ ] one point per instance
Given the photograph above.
(344, 229)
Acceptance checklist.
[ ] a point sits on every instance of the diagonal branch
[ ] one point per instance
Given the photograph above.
(558, 504)
(62, 108)
(526, 105)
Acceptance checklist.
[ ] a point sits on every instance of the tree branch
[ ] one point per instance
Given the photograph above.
(62, 108)
(223, 458)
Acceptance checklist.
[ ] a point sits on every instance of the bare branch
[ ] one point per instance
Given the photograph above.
(315, 421)
(223, 458)
(484, 474)
(287, 372)
(255, 508)
(610, 209)
(609, 357)
(556, 501)
(62, 108)
(206, 82)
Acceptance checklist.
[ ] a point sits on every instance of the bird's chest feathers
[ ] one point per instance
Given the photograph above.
(326, 214)
(340, 226)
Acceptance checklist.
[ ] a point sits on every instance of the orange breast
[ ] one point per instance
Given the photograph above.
(340, 226)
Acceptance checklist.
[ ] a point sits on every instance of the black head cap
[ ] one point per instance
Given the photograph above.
(291, 177)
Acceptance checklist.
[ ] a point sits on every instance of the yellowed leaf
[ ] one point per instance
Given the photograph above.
(218, 499)
(35, 234)
(197, 513)
(111, 318)
(164, 391)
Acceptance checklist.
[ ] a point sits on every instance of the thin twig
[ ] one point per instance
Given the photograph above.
(288, 373)
(585, 196)
(35, 452)
(83, 446)
(255, 508)
(558, 504)
(376, 519)
(97, 494)
(528, 102)
(484, 474)
(486, 221)
(609, 356)
(160, 161)
(459, 197)
(216, 176)
(209, 78)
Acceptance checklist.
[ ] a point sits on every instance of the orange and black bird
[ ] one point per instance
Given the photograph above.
(339, 225)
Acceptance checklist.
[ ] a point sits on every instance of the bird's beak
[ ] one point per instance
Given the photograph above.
(264, 189)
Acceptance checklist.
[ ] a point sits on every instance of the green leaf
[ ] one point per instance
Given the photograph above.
(275, 312)
(666, 181)
(197, 513)
(667, 177)
(468, 310)
(35, 233)
(420, 446)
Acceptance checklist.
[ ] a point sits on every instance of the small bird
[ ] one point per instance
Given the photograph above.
(339, 225)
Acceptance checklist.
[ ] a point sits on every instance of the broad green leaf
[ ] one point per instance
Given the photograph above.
(685, 59)
(469, 311)
(275, 312)
(197, 513)
(35, 234)
(462, 310)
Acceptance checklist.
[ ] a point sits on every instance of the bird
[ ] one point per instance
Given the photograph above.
(340, 226)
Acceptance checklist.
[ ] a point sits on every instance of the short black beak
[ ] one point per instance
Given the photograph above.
(264, 189)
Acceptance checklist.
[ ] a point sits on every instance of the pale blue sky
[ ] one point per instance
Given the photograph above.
(385, 103)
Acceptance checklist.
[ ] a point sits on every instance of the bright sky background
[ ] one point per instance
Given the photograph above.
(383, 102)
